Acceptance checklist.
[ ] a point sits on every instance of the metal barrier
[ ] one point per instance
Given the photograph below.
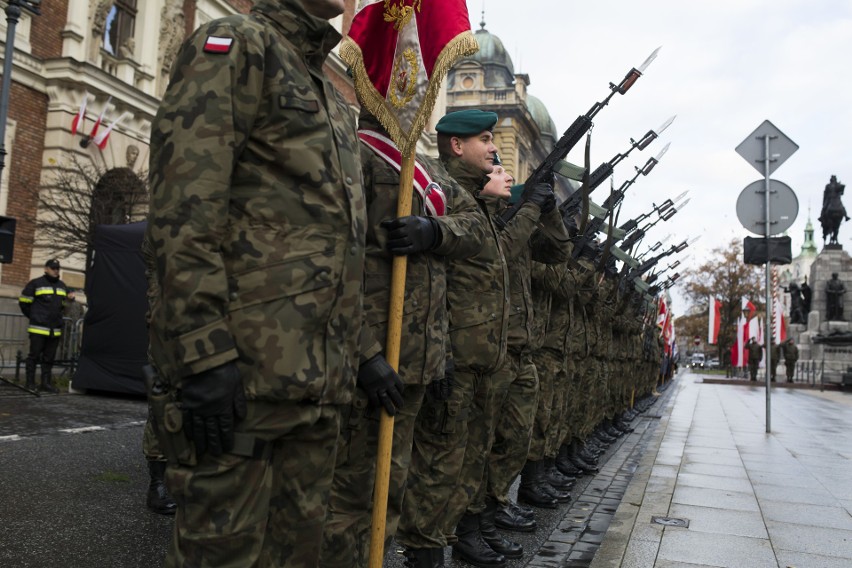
(14, 343)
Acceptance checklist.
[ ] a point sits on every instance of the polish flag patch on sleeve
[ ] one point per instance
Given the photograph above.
(216, 44)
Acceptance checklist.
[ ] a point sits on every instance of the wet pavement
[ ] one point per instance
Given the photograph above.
(73, 481)
(748, 498)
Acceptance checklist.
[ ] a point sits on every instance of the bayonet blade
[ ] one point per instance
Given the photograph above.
(648, 61)
(663, 151)
(665, 125)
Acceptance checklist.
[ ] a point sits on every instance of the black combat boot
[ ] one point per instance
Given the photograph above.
(564, 465)
(159, 499)
(470, 546)
(601, 434)
(30, 371)
(555, 477)
(424, 558)
(492, 536)
(530, 489)
(46, 380)
(610, 429)
(513, 517)
(578, 461)
(558, 495)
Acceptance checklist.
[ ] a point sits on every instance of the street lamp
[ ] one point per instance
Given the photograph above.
(13, 12)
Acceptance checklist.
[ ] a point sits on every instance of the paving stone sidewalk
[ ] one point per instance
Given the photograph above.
(750, 498)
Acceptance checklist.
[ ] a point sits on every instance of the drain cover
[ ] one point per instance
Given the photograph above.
(671, 521)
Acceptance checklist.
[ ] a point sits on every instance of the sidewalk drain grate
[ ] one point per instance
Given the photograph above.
(671, 521)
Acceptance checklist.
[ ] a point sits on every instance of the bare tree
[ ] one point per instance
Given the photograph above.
(724, 276)
(82, 195)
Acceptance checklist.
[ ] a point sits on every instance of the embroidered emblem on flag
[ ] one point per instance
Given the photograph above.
(218, 44)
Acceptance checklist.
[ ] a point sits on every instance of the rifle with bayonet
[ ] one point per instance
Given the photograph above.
(614, 199)
(602, 172)
(581, 125)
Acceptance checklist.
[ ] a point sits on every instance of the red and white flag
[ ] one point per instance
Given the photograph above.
(399, 52)
(715, 307)
(80, 117)
(101, 138)
(100, 119)
(662, 313)
(741, 339)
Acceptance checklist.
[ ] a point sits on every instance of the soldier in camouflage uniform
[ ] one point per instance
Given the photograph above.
(430, 238)
(258, 227)
(518, 385)
(158, 498)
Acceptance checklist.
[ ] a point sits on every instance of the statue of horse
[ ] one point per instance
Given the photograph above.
(833, 211)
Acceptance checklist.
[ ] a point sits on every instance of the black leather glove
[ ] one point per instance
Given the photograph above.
(213, 402)
(442, 389)
(381, 383)
(412, 234)
(542, 195)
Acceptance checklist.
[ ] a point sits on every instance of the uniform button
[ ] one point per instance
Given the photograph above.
(233, 295)
(493, 315)
(414, 303)
(348, 180)
(353, 250)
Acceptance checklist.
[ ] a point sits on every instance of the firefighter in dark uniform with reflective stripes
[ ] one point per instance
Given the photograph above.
(42, 301)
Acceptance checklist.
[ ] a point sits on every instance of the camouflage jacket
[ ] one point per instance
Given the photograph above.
(529, 237)
(423, 347)
(478, 289)
(257, 216)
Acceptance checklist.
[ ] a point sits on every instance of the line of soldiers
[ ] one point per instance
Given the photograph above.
(271, 236)
(788, 349)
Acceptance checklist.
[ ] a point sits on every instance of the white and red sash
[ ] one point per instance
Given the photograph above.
(430, 192)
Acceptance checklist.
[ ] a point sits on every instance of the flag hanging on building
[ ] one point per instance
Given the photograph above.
(399, 52)
(715, 320)
(101, 138)
(80, 117)
(100, 119)
(739, 358)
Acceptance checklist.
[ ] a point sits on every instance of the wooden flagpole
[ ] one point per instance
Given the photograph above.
(397, 297)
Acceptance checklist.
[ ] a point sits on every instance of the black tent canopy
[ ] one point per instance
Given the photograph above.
(115, 335)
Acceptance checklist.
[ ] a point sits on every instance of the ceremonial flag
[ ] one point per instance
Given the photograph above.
(715, 320)
(80, 117)
(101, 139)
(99, 120)
(739, 359)
(399, 52)
(662, 313)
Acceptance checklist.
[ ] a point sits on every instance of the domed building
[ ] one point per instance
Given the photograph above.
(525, 132)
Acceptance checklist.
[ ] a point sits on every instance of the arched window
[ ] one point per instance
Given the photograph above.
(116, 197)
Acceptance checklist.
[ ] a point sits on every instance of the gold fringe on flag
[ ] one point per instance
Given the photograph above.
(460, 46)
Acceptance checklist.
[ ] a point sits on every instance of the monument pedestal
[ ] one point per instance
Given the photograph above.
(832, 359)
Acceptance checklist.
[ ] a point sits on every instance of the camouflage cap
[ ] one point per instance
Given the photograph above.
(466, 122)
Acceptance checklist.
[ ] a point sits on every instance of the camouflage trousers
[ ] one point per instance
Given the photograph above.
(574, 403)
(589, 390)
(548, 364)
(150, 445)
(346, 540)
(236, 511)
(440, 438)
(469, 493)
(515, 419)
(557, 429)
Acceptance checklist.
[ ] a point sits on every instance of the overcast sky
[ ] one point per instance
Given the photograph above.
(724, 68)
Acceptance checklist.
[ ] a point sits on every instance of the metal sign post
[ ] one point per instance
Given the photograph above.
(755, 149)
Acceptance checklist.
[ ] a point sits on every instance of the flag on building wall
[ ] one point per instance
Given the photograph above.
(102, 137)
(715, 320)
(100, 119)
(399, 52)
(749, 308)
(80, 117)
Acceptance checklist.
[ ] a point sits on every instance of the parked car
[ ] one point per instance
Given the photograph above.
(714, 363)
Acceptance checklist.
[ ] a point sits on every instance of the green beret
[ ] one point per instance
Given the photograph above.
(516, 190)
(466, 122)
